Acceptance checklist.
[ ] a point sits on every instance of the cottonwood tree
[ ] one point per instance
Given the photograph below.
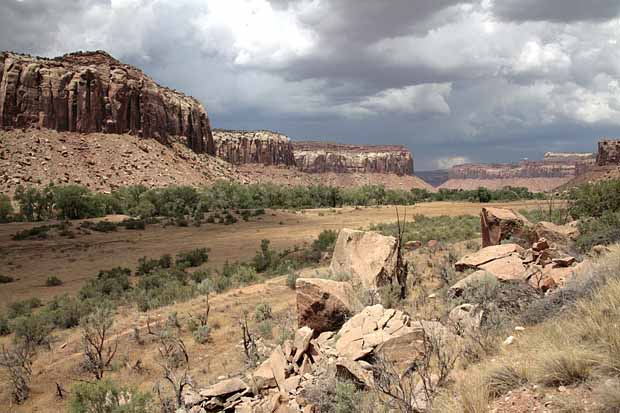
(95, 332)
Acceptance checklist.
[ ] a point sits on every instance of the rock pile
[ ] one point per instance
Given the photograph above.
(280, 382)
(545, 264)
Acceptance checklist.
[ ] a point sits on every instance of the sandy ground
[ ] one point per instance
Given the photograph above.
(78, 259)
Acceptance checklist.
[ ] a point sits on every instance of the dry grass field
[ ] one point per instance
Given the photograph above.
(75, 260)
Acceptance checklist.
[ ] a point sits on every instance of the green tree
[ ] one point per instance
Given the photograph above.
(6, 208)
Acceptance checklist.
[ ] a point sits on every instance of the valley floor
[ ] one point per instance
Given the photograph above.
(75, 260)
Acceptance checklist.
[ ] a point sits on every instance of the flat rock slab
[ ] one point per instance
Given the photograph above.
(507, 268)
(486, 255)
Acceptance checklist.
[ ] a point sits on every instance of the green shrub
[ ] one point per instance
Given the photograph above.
(5, 326)
(601, 230)
(163, 287)
(74, 202)
(5, 279)
(32, 329)
(593, 200)
(147, 265)
(201, 334)
(442, 228)
(35, 204)
(291, 280)
(134, 224)
(23, 308)
(192, 258)
(6, 209)
(325, 241)
(265, 329)
(53, 281)
(66, 311)
(106, 396)
(111, 284)
(40, 232)
(263, 312)
(104, 226)
(264, 258)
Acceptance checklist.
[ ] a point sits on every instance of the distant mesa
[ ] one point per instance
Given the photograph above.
(321, 157)
(249, 147)
(90, 92)
(554, 170)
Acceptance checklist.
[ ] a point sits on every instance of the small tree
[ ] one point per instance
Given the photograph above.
(95, 332)
(414, 389)
(18, 364)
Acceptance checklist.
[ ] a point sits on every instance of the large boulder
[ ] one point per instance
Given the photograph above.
(487, 255)
(498, 224)
(472, 279)
(367, 257)
(324, 305)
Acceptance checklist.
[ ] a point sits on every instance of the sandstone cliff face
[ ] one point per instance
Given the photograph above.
(246, 147)
(319, 157)
(553, 166)
(93, 92)
(608, 152)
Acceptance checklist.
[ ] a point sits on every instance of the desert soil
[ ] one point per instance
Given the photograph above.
(78, 259)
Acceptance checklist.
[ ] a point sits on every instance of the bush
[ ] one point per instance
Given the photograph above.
(264, 258)
(593, 200)
(111, 284)
(201, 334)
(5, 326)
(5, 279)
(33, 330)
(66, 311)
(442, 228)
(40, 232)
(265, 329)
(106, 396)
(6, 209)
(104, 226)
(23, 308)
(74, 202)
(291, 280)
(193, 258)
(504, 378)
(603, 230)
(135, 224)
(263, 312)
(325, 241)
(53, 281)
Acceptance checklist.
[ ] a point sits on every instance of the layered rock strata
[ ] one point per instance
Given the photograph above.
(320, 157)
(249, 147)
(608, 152)
(93, 92)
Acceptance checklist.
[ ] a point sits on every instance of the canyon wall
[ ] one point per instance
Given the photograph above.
(553, 170)
(608, 152)
(247, 147)
(321, 157)
(93, 92)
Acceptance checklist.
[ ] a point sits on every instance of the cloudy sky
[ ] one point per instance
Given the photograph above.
(455, 81)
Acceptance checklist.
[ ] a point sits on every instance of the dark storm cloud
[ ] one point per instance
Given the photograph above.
(557, 10)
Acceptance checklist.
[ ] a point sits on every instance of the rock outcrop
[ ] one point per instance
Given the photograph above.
(608, 152)
(324, 305)
(93, 92)
(498, 224)
(369, 258)
(248, 147)
(320, 157)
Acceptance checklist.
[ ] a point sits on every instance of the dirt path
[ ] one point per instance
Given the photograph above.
(78, 259)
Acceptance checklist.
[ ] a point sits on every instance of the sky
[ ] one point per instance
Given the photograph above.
(454, 81)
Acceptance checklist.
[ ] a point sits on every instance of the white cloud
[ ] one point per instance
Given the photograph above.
(253, 32)
(430, 98)
(450, 161)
